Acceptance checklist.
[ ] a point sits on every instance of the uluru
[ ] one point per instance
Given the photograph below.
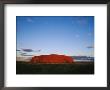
(52, 58)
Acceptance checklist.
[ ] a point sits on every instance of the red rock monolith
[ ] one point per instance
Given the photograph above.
(53, 58)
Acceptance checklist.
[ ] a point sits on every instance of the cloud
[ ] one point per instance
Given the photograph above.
(23, 53)
(31, 50)
(90, 47)
(29, 20)
(18, 50)
(38, 50)
(27, 50)
(27, 55)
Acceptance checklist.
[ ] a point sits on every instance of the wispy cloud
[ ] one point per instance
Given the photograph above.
(23, 53)
(28, 50)
(90, 47)
(18, 50)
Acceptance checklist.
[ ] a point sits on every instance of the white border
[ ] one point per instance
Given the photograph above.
(99, 79)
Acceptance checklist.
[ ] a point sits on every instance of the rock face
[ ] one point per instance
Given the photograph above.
(53, 58)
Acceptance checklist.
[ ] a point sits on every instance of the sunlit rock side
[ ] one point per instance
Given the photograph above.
(53, 58)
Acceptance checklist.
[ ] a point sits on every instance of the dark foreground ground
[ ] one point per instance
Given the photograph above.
(74, 68)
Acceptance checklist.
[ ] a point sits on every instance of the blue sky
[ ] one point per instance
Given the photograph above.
(69, 35)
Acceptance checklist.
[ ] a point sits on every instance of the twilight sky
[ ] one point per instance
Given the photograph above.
(69, 35)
